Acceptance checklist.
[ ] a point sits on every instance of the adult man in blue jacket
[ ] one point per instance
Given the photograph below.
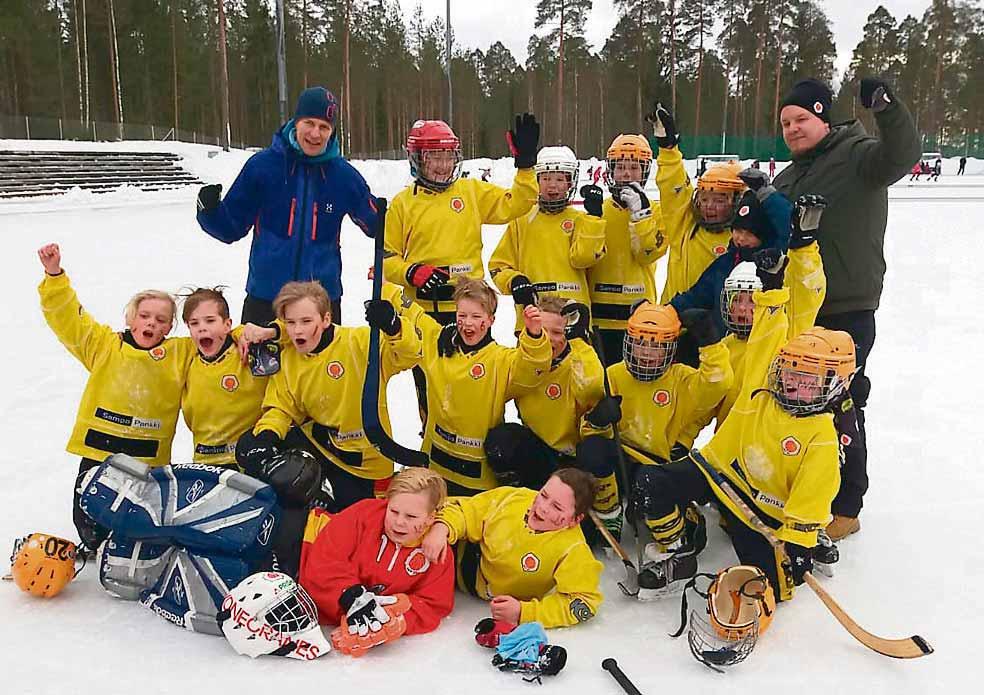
(293, 196)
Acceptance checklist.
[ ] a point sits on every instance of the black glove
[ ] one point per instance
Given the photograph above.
(770, 266)
(364, 611)
(664, 127)
(593, 198)
(800, 561)
(264, 358)
(701, 325)
(381, 314)
(807, 211)
(607, 412)
(447, 340)
(252, 450)
(524, 140)
(578, 321)
(295, 475)
(875, 94)
(209, 196)
(427, 277)
(758, 181)
(522, 290)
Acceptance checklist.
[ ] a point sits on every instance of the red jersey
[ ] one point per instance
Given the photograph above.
(351, 548)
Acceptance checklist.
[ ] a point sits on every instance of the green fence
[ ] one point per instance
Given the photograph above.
(971, 145)
(746, 147)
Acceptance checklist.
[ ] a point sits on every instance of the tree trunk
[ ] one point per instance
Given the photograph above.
(174, 64)
(85, 62)
(700, 68)
(560, 77)
(778, 76)
(304, 42)
(78, 60)
(61, 71)
(348, 83)
(673, 71)
(226, 130)
(114, 62)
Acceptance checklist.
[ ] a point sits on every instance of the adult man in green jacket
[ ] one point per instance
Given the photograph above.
(853, 171)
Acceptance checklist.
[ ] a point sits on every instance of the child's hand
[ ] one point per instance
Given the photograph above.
(50, 256)
(507, 609)
(253, 334)
(435, 543)
(532, 320)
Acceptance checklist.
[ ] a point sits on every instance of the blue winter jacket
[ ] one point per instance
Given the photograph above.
(706, 292)
(294, 204)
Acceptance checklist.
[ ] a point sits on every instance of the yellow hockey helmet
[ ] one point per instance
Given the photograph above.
(42, 564)
(650, 340)
(713, 213)
(812, 370)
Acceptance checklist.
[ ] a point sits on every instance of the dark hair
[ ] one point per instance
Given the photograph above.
(196, 297)
(583, 485)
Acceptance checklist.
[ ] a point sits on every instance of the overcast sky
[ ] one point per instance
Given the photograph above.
(479, 23)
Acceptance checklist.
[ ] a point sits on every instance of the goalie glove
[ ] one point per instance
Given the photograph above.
(364, 610)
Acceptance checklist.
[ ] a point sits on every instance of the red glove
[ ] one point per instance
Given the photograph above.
(488, 631)
(427, 277)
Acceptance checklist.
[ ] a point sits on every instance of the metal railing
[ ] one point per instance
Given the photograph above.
(43, 128)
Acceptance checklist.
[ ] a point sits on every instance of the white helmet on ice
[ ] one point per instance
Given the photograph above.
(736, 298)
(560, 159)
(270, 613)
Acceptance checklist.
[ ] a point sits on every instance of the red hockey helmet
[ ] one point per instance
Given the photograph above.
(434, 152)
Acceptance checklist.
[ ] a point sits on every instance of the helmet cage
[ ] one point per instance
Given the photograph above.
(715, 651)
(785, 376)
(741, 282)
(647, 359)
(615, 187)
(417, 154)
(718, 225)
(552, 207)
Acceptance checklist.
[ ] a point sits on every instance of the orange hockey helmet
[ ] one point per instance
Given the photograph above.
(740, 606)
(627, 148)
(812, 370)
(719, 178)
(650, 340)
(42, 564)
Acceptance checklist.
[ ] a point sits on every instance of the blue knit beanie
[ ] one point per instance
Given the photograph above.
(317, 102)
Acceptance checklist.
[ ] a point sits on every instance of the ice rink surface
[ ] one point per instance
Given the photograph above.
(916, 566)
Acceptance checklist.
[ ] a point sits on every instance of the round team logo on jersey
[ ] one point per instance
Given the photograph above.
(530, 562)
(553, 391)
(229, 382)
(744, 210)
(416, 563)
(846, 440)
(791, 446)
(477, 371)
(661, 397)
(457, 204)
(158, 353)
(335, 369)
(719, 250)
(817, 107)
(567, 225)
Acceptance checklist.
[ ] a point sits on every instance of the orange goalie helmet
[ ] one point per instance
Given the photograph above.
(42, 565)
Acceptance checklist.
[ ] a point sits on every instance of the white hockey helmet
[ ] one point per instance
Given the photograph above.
(270, 613)
(560, 159)
(738, 287)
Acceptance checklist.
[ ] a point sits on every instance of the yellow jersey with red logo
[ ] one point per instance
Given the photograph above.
(807, 286)
(552, 573)
(787, 468)
(132, 397)
(221, 401)
(467, 395)
(627, 272)
(692, 248)
(322, 392)
(552, 250)
(555, 409)
(444, 229)
(657, 415)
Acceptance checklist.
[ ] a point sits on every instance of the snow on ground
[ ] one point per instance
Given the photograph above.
(914, 568)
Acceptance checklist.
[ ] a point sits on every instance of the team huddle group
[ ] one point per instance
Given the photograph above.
(613, 381)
